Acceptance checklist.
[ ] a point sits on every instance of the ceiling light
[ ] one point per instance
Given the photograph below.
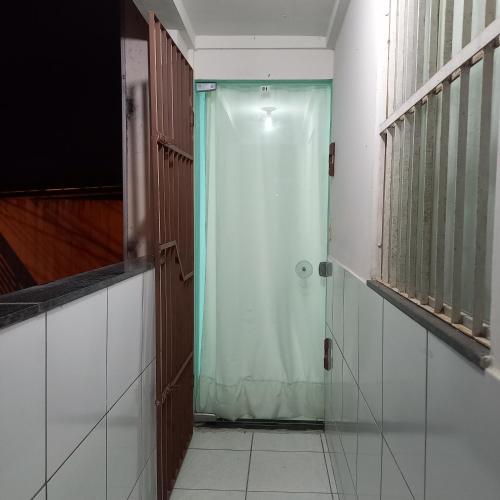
(268, 120)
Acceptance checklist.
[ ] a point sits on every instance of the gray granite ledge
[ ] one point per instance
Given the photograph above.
(466, 346)
(24, 304)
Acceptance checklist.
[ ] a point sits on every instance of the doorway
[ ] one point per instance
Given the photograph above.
(261, 208)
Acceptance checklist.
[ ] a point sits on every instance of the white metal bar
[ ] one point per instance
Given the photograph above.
(410, 55)
(420, 43)
(464, 56)
(392, 57)
(480, 300)
(400, 53)
(467, 22)
(428, 200)
(458, 243)
(413, 203)
(442, 168)
(449, 9)
(403, 204)
(394, 231)
(433, 36)
(386, 230)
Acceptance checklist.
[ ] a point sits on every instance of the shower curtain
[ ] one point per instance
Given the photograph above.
(266, 210)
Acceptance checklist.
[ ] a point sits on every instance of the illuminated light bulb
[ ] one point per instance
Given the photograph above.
(268, 123)
(268, 120)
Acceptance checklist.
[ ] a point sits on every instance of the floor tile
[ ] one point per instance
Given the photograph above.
(288, 496)
(221, 439)
(214, 470)
(288, 472)
(207, 495)
(287, 441)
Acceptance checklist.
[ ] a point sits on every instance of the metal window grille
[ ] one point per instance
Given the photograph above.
(440, 162)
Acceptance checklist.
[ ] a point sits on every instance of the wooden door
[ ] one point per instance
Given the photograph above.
(172, 206)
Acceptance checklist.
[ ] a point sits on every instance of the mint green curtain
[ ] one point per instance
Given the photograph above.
(262, 334)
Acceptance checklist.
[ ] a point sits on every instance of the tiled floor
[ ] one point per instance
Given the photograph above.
(256, 465)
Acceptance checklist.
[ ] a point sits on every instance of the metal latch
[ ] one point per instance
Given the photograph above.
(327, 354)
(325, 269)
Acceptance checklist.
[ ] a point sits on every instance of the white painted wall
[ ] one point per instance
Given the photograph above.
(357, 110)
(262, 64)
(495, 281)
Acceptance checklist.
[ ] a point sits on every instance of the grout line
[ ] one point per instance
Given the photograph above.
(260, 451)
(46, 405)
(382, 405)
(76, 447)
(426, 409)
(249, 464)
(106, 382)
(326, 466)
(260, 491)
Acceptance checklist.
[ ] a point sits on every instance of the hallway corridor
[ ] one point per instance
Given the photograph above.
(240, 464)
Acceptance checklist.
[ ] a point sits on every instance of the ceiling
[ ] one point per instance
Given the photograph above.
(259, 17)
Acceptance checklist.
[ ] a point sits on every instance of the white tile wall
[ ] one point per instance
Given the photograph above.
(148, 326)
(351, 305)
(333, 402)
(148, 479)
(124, 336)
(404, 378)
(394, 486)
(369, 452)
(460, 422)
(83, 475)
(343, 478)
(124, 454)
(76, 374)
(370, 349)
(22, 409)
(329, 297)
(463, 442)
(42, 495)
(348, 429)
(338, 304)
(76, 400)
(148, 386)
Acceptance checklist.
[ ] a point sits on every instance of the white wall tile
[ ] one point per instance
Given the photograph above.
(83, 475)
(124, 336)
(148, 321)
(404, 379)
(76, 374)
(370, 349)
(148, 388)
(124, 443)
(343, 478)
(333, 400)
(348, 427)
(338, 304)
(42, 495)
(351, 305)
(329, 298)
(393, 484)
(369, 452)
(136, 492)
(148, 479)
(463, 442)
(22, 409)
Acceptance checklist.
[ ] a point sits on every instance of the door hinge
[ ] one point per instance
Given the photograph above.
(331, 160)
(327, 354)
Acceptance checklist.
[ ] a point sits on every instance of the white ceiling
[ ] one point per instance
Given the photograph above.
(259, 17)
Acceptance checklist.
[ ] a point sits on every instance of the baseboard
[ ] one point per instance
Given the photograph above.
(297, 425)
